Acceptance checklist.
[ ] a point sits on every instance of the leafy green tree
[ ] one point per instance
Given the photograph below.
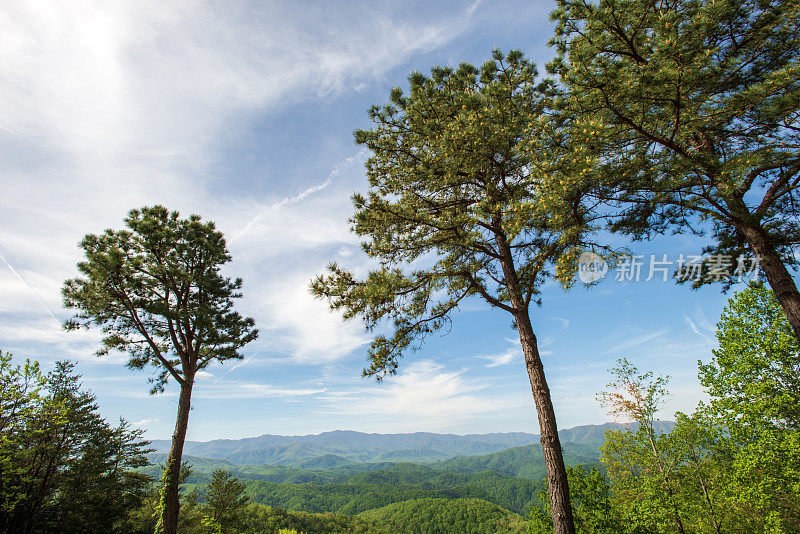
(754, 376)
(455, 211)
(64, 468)
(20, 399)
(688, 111)
(697, 447)
(226, 499)
(637, 462)
(732, 466)
(753, 382)
(156, 292)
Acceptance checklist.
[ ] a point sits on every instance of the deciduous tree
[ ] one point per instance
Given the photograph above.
(638, 463)
(753, 383)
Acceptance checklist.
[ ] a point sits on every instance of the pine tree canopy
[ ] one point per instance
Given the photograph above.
(690, 111)
(156, 291)
(455, 208)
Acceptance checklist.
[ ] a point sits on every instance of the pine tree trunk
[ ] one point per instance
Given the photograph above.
(171, 502)
(560, 505)
(778, 276)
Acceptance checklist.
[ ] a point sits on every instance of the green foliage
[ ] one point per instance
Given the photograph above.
(454, 179)
(638, 463)
(522, 462)
(168, 476)
(156, 292)
(686, 111)
(754, 378)
(62, 466)
(455, 516)
(357, 493)
(754, 388)
(732, 466)
(591, 502)
(20, 422)
(226, 498)
(259, 519)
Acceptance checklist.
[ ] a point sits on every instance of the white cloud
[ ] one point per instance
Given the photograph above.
(300, 325)
(146, 422)
(109, 106)
(634, 341)
(247, 390)
(513, 354)
(424, 395)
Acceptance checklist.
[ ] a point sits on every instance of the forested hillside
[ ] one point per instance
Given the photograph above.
(339, 449)
(354, 491)
(447, 516)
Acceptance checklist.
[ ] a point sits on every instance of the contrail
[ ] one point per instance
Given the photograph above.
(245, 362)
(277, 205)
(38, 296)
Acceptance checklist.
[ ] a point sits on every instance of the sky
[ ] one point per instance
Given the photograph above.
(243, 113)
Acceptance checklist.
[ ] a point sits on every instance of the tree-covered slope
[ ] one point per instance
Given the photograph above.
(522, 462)
(442, 516)
(266, 520)
(361, 492)
(595, 435)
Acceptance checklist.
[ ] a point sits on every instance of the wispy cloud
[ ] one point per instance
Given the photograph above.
(513, 354)
(116, 105)
(704, 333)
(425, 394)
(278, 205)
(634, 341)
(145, 422)
(29, 288)
(249, 390)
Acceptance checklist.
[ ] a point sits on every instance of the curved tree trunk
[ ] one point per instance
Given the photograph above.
(778, 276)
(171, 499)
(560, 505)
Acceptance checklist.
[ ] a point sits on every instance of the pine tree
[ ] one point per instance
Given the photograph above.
(226, 499)
(689, 112)
(156, 292)
(456, 210)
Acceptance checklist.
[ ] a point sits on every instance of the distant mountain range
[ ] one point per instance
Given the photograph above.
(340, 448)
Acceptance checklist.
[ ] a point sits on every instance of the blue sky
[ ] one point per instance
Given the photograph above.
(243, 113)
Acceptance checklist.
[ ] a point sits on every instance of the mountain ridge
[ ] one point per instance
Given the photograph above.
(340, 446)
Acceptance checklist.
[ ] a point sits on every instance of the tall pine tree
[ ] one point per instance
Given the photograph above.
(156, 292)
(689, 112)
(456, 210)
